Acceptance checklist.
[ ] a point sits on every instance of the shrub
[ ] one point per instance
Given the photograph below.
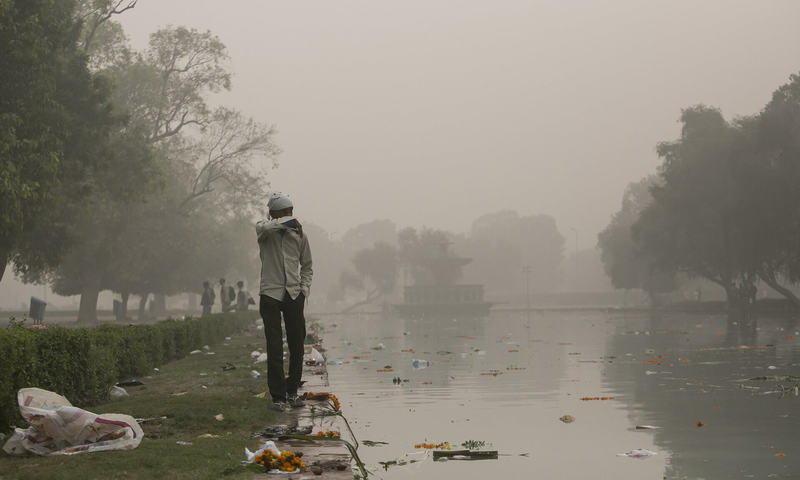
(82, 363)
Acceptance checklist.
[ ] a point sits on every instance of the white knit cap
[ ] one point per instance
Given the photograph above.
(279, 201)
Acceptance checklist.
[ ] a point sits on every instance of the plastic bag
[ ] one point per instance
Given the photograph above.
(638, 453)
(314, 358)
(58, 428)
(270, 445)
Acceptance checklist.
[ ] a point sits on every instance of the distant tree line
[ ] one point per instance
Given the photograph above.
(116, 173)
(724, 206)
(369, 263)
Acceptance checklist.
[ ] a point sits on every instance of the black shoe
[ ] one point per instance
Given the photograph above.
(295, 401)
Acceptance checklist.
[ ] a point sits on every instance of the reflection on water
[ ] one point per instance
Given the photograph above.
(507, 379)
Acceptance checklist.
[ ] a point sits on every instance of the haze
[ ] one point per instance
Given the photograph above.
(432, 113)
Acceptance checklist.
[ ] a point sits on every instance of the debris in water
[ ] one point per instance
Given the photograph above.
(638, 453)
(466, 454)
(373, 443)
(419, 364)
(567, 418)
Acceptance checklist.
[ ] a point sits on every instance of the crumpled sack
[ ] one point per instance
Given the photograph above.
(58, 428)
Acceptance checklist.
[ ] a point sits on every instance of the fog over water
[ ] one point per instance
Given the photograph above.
(433, 113)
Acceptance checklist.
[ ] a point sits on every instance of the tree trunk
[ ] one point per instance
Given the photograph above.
(160, 304)
(88, 307)
(125, 297)
(773, 283)
(143, 307)
(655, 299)
(3, 263)
(370, 298)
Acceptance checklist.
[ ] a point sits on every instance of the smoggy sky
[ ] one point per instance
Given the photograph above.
(433, 113)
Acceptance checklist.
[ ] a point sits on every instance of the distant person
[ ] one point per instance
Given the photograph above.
(243, 298)
(227, 295)
(285, 283)
(207, 298)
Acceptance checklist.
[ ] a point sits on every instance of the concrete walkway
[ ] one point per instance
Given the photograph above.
(323, 459)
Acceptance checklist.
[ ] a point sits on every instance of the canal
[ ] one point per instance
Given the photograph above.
(720, 395)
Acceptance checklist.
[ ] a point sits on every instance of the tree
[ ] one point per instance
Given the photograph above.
(204, 178)
(776, 133)
(54, 121)
(427, 258)
(102, 39)
(701, 219)
(502, 243)
(376, 271)
(624, 263)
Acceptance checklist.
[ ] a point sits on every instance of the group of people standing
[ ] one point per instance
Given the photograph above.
(229, 298)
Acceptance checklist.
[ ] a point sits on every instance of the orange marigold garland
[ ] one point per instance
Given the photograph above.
(430, 446)
(323, 396)
(328, 434)
(285, 462)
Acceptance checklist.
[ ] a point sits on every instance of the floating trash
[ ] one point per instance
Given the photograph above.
(638, 453)
(567, 418)
(419, 364)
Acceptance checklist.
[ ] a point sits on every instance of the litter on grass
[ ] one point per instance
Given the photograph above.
(58, 428)
(117, 392)
(130, 383)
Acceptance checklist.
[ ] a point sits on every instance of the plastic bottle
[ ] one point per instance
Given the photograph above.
(255, 374)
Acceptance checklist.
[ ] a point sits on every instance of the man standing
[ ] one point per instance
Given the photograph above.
(285, 282)
(207, 299)
(226, 296)
(242, 298)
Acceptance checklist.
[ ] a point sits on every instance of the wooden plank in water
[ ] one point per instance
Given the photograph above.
(469, 454)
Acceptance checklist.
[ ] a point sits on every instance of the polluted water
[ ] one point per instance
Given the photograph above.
(647, 397)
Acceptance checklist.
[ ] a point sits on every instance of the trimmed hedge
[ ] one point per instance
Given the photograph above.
(83, 363)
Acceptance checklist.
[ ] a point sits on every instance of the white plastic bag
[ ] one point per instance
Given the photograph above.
(58, 428)
(314, 357)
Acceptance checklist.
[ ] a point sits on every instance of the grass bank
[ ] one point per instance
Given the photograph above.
(176, 392)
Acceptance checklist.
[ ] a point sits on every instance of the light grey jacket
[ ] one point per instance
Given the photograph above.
(285, 259)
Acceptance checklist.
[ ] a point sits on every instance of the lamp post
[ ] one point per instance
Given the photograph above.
(527, 269)
(575, 254)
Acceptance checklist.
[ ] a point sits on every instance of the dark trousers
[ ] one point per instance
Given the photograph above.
(271, 309)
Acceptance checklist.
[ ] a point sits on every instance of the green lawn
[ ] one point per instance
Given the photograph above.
(190, 414)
